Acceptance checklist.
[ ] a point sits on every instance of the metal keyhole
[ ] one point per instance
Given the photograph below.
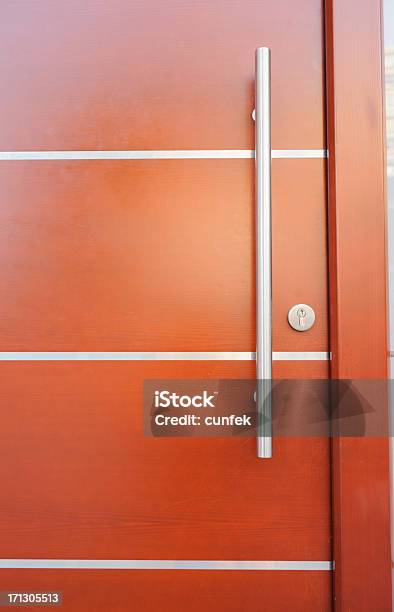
(301, 314)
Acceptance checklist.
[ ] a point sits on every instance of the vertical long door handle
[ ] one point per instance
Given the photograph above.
(263, 253)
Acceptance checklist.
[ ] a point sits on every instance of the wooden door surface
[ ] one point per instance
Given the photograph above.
(115, 271)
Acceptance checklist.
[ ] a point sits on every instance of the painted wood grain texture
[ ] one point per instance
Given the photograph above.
(116, 591)
(150, 74)
(358, 300)
(155, 255)
(82, 480)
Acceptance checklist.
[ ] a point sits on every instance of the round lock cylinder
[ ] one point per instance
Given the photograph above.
(301, 317)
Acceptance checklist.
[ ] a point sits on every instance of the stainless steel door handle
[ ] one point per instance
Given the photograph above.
(263, 253)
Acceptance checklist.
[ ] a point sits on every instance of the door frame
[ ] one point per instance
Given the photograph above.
(358, 295)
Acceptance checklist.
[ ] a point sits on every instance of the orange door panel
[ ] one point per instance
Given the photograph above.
(195, 591)
(156, 255)
(86, 482)
(153, 74)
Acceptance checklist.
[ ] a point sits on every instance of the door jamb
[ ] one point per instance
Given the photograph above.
(358, 296)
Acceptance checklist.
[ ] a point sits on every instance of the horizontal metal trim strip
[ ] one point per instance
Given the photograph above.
(163, 564)
(301, 356)
(299, 153)
(180, 154)
(166, 154)
(156, 356)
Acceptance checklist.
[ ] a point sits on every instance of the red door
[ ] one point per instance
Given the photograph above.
(122, 267)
